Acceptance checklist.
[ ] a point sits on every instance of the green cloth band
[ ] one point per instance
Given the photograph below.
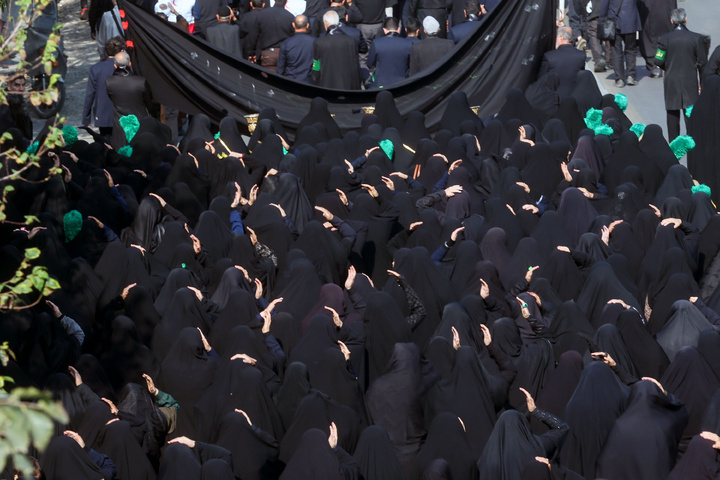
(660, 55)
(316, 65)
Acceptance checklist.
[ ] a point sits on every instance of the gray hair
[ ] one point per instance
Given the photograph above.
(122, 60)
(678, 16)
(566, 34)
(331, 17)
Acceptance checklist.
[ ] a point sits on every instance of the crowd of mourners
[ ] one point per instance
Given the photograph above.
(516, 297)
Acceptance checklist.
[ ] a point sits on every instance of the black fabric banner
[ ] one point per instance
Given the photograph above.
(191, 75)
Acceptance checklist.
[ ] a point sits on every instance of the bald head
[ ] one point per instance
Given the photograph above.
(122, 60)
(301, 23)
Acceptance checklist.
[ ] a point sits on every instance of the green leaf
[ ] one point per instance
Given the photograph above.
(52, 283)
(5, 450)
(41, 428)
(9, 188)
(22, 463)
(32, 253)
(16, 428)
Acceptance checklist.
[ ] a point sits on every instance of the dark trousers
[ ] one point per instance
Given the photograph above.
(624, 65)
(269, 59)
(597, 46)
(673, 124)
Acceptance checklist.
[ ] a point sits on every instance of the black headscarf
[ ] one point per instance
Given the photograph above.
(650, 414)
(447, 440)
(598, 401)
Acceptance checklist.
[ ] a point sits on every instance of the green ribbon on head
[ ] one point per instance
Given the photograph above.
(72, 224)
(593, 118)
(638, 129)
(621, 101)
(681, 145)
(701, 188)
(603, 130)
(126, 150)
(70, 134)
(387, 147)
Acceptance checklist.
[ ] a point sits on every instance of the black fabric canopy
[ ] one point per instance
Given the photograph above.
(191, 75)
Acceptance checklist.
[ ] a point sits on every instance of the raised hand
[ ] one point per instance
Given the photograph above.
(333, 438)
(453, 190)
(530, 271)
(529, 400)
(604, 357)
(159, 199)
(245, 358)
(247, 417)
(343, 197)
(280, 209)
(184, 440)
(456, 338)
(55, 309)
(206, 345)
(113, 408)
(126, 291)
(484, 289)
(76, 376)
(487, 337)
(336, 317)
(370, 189)
(253, 237)
(267, 314)
(325, 213)
(455, 233)
(150, 384)
(345, 350)
(350, 280)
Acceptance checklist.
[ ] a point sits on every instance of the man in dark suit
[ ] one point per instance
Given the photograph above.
(683, 55)
(249, 23)
(129, 94)
(428, 51)
(274, 26)
(566, 61)
(335, 57)
(390, 55)
(226, 35)
(625, 44)
(473, 13)
(351, 32)
(296, 53)
(98, 109)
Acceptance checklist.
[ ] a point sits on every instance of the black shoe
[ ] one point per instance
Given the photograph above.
(619, 83)
(631, 81)
(600, 66)
(655, 72)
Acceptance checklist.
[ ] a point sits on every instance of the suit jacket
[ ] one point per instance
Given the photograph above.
(296, 57)
(390, 56)
(426, 52)
(208, 11)
(462, 30)
(627, 16)
(274, 26)
(353, 33)
(98, 109)
(566, 61)
(227, 37)
(129, 96)
(335, 61)
(683, 55)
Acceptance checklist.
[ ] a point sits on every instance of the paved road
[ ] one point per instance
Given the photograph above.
(82, 54)
(646, 103)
